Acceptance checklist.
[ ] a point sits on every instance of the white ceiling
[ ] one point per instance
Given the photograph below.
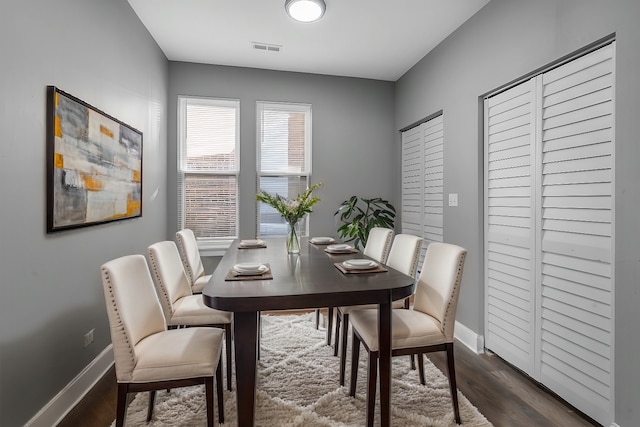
(376, 39)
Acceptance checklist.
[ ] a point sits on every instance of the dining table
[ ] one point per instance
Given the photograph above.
(312, 278)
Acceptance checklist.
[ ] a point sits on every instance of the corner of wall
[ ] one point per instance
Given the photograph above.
(469, 338)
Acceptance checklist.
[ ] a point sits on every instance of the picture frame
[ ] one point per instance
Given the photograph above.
(94, 165)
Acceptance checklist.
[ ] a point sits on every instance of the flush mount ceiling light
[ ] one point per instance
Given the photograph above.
(305, 10)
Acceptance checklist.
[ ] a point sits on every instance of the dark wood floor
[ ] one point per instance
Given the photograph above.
(502, 394)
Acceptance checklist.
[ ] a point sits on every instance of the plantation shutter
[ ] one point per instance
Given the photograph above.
(509, 216)
(549, 229)
(576, 304)
(422, 204)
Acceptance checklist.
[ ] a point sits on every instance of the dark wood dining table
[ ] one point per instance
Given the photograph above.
(305, 280)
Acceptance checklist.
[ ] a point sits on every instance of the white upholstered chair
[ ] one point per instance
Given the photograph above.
(376, 248)
(180, 306)
(190, 256)
(403, 256)
(148, 357)
(378, 244)
(426, 327)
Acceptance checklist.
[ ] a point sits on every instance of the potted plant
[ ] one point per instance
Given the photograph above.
(359, 216)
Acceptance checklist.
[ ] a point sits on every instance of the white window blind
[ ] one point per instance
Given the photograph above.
(208, 167)
(284, 158)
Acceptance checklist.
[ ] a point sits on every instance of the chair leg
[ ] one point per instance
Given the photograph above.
(355, 355)
(220, 392)
(227, 337)
(452, 382)
(413, 362)
(259, 334)
(121, 411)
(317, 318)
(152, 402)
(338, 321)
(421, 368)
(208, 387)
(329, 324)
(343, 352)
(372, 377)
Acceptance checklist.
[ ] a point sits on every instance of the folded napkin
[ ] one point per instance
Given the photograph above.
(252, 244)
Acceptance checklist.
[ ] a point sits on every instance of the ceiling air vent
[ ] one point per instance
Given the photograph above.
(266, 47)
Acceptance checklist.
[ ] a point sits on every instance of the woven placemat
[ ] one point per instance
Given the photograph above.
(264, 276)
(378, 269)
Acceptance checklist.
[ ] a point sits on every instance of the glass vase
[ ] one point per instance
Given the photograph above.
(293, 238)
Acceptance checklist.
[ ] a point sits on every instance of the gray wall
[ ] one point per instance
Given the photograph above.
(353, 151)
(50, 291)
(506, 40)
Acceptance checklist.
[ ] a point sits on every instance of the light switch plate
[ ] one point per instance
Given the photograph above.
(453, 199)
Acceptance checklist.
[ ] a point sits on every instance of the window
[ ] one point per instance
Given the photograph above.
(284, 158)
(208, 167)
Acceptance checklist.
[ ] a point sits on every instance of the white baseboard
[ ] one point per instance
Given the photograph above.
(63, 402)
(469, 338)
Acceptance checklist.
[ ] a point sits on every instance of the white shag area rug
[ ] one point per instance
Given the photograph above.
(298, 385)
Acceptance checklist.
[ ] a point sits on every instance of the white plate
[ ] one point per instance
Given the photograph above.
(341, 247)
(322, 240)
(251, 242)
(359, 264)
(249, 269)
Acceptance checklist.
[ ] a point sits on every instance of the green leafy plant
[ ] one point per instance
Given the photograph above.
(359, 216)
(292, 210)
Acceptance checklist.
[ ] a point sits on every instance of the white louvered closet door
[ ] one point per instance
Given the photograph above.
(423, 182)
(566, 270)
(509, 226)
(576, 236)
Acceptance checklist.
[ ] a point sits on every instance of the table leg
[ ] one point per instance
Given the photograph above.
(245, 327)
(384, 335)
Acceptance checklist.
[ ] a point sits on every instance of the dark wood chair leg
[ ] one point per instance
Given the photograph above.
(372, 382)
(329, 324)
(421, 368)
(343, 351)
(227, 337)
(259, 333)
(208, 387)
(355, 355)
(413, 362)
(452, 382)
(317, 318)
(121, 411)
(338, 321)
(220, 391)
(152, 402)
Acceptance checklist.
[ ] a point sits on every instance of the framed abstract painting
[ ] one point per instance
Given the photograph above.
(94, 165)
